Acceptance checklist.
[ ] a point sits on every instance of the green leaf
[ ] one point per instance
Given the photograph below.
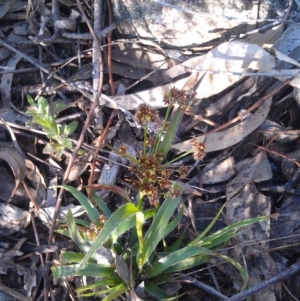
(153, 290)
(59, 107)
(140, 219)
(101, 283)
(188, 263)
(75, 235)
(158, 227)
(90, 269)
(74, 257)
(71, 128)
(241, 270)
(30, 101)
(116, 292)
(91, 211)
(176, 245)
(49, 148)
(211, 224)
(53, 125)
(125, 225)
(103, 207)
(171, 131)
(174, 223)
(59, 151)
(111, 224)
(220, 236)
(173, 258)
(43, 106)
(67, 143)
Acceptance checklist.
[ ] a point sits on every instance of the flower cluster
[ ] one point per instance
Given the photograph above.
(180, 97)
(145, 114)
(198, 149)
(93, 231)
(152, 177)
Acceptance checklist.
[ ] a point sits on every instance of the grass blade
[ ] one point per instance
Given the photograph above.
(91, 211)
(112, 223)
(74, 233)
(173, 258)
(171, 131)
(158, 227)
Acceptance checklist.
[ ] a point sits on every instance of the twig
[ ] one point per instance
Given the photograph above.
(210, 290)
(13, 292)
(293, 269)
(98, 146)
(109, 39)
(88, 36)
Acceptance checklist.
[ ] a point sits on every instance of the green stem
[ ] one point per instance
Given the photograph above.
(126, 155)
(145, 138)
(177, 158)
(140, 201)
(158, 138)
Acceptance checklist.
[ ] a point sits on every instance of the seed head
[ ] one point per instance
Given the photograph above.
(122, 149)
(174, 95)
(145, 114)
(198, 149)
(183, 170)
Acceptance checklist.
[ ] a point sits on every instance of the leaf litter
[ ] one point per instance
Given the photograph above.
(245, 107)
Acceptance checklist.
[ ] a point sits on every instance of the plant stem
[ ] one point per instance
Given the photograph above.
(176, 159)
(140, 201)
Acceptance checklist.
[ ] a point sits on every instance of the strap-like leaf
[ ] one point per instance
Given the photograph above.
(112, 223)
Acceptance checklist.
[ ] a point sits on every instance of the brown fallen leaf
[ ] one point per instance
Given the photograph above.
(16, 161)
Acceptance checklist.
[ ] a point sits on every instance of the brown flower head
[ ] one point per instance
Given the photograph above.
(198, 149)
(145, 114)
(183, 170)
(174, 95)
(122, 149)
(174, 193)
(133, 168)
(164, 183)
(150, 141)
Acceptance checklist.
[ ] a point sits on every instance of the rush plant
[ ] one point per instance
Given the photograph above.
(131, 247)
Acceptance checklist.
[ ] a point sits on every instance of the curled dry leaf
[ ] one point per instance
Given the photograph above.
(6, 80)
(16, 161)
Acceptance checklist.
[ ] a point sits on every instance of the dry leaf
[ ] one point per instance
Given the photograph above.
(254, 169)
(222, 172)
(6, 81)
(16, 161)
(230, 136)
(227, 58)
